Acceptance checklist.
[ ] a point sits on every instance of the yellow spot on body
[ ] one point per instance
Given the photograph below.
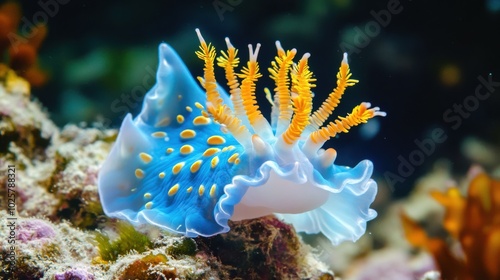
(198, 105)
(212, 190)
(139, 173)
(186, 149)
(148, 205)
(180, 119)
(196, 166)
(173, 190)
(232, 158)
(189, 109)
(201, 120)
(205, 114)
(188, 134)
(163, 122)
(170, 150)
(230, 148)
(216, 140)
(177, 168)
(224, 149)
(189, 190)
(237, 161)
(133, 190)
(201, 190)
(147, 195)
(146, 158)
(161, 175)
(159, 134)
(214, 162)
(210, 152)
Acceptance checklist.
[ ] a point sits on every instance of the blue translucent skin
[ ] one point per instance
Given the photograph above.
(345, 193)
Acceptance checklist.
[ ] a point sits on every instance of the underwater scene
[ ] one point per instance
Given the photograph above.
(238, 139)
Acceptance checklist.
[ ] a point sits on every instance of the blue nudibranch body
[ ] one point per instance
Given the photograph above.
(196, 157)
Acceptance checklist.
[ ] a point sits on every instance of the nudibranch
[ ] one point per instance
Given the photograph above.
(196, 156)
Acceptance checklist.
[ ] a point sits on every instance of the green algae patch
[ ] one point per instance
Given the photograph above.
(129, 239)
(185, 247)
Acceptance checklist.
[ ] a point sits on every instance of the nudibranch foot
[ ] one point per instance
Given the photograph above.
(196, 157)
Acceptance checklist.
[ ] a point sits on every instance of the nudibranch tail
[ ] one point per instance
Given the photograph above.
(196, 157)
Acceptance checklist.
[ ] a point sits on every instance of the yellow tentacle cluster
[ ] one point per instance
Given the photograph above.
(343, 81)
(225, 116)
(221, 112)
(207, 54)
(229, 61)
(279, 72)
(292, 97)
(302, 82)
(360, 114)
(250, 74)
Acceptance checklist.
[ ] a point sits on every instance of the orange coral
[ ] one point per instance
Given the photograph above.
(10, 15)
(473, 221)
(22, 50)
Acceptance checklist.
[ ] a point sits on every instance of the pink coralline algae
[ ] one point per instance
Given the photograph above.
(74, 274)
(34, 230)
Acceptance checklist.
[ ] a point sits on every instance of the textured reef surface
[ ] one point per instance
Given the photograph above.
(62, 233)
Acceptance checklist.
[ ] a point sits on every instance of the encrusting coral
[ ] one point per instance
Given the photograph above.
(139, 269)
(44, 248)
(58, 210)
(264, 248)
(473, 223)
(34, 230)
(74, 273)
(60, 167)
